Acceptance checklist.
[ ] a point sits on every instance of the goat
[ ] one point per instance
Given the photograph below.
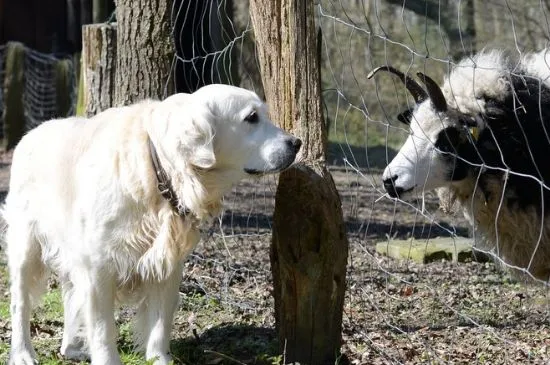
(482, 142)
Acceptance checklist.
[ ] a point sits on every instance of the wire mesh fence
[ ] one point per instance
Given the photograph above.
(397, 310)
(41, 87)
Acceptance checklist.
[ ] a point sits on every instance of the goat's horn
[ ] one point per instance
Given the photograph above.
(418, 93)
(434, 92)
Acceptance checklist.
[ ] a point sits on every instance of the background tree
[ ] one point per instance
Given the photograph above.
(145, 50)
(309, 247)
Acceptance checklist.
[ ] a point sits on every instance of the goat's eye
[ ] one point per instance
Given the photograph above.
(405, 117)
(252, 118)
(448, 140)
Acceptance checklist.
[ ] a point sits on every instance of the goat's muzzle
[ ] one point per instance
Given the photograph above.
(391, 189)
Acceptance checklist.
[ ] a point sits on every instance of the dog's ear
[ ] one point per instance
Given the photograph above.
(203, 155)
(193, 126)
(201, 144)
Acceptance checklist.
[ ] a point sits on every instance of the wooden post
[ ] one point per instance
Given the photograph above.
(309, 248)
(98, 65)
(80, 101)
(14, 88)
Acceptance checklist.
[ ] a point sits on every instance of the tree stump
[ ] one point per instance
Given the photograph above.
(309, 248)
(98, 66)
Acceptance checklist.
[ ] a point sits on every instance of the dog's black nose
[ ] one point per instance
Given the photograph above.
(390, 187)
(294, 143)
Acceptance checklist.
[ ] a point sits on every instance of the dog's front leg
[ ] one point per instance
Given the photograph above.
(98, 289)
(155, 316)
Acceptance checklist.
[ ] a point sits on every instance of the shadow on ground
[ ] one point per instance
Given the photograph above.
(367, 228)
(378, 229)
(375, 157)
(228, 343)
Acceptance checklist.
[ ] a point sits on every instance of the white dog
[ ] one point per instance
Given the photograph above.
(85, 202)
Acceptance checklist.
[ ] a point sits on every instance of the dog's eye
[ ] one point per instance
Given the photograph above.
(252, 118)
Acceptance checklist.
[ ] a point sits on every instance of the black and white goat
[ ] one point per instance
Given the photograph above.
(482, 141)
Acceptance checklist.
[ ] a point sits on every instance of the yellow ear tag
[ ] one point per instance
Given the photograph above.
(474, 131)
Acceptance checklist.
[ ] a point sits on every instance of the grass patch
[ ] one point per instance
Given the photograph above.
(51, 308)
(4, 352)
(4, 299)
(4, 310)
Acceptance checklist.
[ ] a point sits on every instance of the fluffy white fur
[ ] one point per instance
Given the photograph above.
(474, 77)
(83, 202)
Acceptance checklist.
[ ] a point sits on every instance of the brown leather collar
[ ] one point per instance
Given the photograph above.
(163, 182)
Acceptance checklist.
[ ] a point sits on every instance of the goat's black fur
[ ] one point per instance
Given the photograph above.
(516, 138)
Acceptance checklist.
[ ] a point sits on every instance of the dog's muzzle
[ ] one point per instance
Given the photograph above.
(283, 160)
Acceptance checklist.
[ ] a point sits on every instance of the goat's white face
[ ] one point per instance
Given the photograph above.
(439, 146)
(419, 165)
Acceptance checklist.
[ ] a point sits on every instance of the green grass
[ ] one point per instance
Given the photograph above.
(52, 306)
(4, 310)
(226, 336)
(4, 352)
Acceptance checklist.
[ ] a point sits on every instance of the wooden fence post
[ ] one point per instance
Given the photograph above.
(309, 249)
(98, 65)
(14, 88)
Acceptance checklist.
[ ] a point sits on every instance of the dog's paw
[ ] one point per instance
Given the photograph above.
(75, 352)
(23, 358)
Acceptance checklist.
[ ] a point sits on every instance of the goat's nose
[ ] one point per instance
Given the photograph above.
(390, 187)
(294, 144)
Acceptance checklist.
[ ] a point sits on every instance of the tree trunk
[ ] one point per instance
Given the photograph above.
(145, 50)
(98, 68)
(309, 248)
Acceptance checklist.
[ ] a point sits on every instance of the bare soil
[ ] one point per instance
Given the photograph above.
(395, 311)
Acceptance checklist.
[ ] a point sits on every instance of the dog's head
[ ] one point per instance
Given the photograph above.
(226, 128)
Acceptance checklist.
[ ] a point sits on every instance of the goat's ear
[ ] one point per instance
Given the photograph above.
(405, 117)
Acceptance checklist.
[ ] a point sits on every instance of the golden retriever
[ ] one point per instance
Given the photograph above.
(84, 202)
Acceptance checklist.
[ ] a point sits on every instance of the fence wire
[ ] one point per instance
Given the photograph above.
(40, 89)
(40, 95)
(397, 310)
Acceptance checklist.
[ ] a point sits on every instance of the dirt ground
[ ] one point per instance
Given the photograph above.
(396, 312)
